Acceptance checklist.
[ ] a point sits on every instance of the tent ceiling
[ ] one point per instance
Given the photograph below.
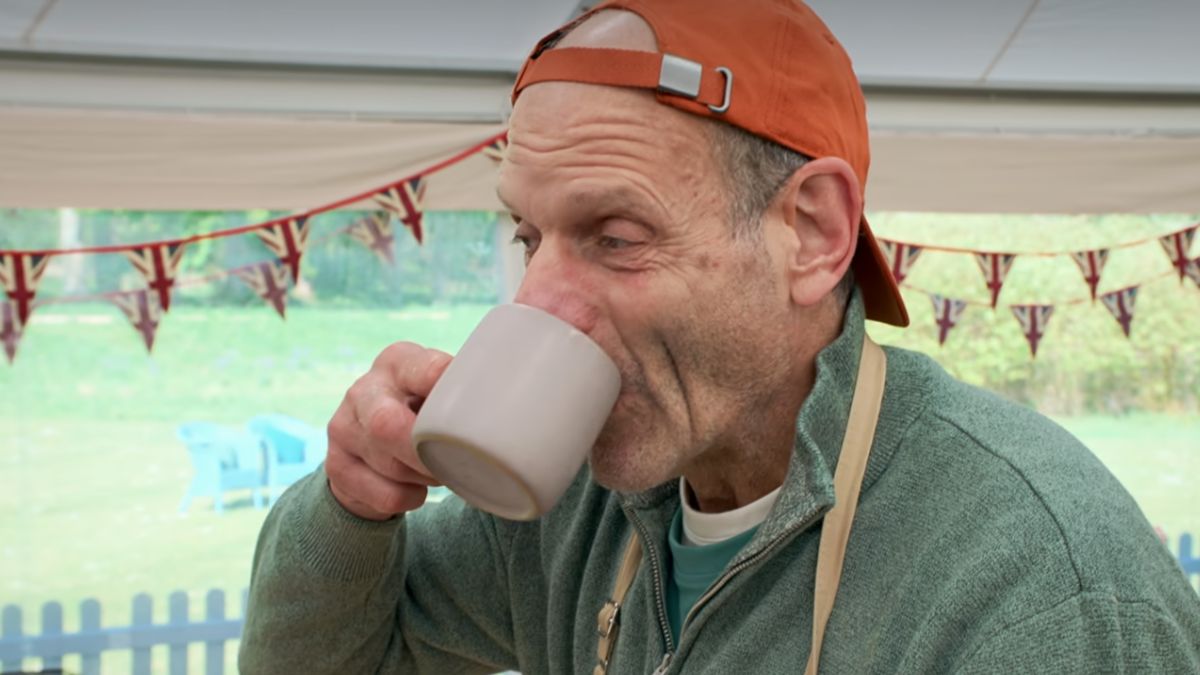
(1073, 44)
(974, 105)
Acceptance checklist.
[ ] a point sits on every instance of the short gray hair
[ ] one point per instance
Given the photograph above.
(755, 169)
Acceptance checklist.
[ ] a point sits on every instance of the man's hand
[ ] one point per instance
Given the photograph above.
(373, 468)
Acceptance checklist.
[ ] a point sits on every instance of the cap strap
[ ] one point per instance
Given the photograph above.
(627, 68)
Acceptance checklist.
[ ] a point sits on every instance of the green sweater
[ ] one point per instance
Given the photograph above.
(987, 539)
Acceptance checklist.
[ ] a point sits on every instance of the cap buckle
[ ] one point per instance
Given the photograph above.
(682, 77)
(728, 91)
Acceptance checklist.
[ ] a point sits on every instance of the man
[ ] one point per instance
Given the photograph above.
(699, 215)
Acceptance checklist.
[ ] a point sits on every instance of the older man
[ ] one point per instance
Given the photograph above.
(687, 179)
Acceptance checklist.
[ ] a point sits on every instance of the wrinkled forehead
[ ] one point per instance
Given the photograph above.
(567, 136)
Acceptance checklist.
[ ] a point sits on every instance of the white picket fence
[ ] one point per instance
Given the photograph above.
(17, 643)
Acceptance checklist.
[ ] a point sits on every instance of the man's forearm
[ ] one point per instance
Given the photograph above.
(324, 588)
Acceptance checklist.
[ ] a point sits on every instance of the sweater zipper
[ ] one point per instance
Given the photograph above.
(733, 571)
(659, 602)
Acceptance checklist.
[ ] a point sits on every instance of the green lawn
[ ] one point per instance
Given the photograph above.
(91, 473)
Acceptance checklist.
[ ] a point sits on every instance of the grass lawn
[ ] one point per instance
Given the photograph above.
(91, 473)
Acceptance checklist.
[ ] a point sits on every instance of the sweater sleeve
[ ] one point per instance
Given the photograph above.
(1094, 633)
(333, 593)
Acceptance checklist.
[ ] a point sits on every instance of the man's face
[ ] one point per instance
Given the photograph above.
(624, 217)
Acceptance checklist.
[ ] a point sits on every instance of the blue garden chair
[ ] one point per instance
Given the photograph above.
(1189, 561)
(293, 449)
(224, 459)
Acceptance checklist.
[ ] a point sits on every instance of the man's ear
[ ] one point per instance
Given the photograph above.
(821, 204)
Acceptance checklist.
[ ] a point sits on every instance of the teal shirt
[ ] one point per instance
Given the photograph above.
(694, 569)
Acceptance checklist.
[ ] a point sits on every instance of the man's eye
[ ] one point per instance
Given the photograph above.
(606, 241)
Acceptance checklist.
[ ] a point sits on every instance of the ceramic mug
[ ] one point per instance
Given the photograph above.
(513, 417)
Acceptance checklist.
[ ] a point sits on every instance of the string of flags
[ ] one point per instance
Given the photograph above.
(994, 267)
(286, 238)
(402, 201)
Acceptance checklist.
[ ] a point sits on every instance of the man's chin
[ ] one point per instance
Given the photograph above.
(620, 472)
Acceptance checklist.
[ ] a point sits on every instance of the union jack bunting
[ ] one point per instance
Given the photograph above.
(1120, 305)
(287, 239)
(995, 267)
(1176, 245)
(1033, 319)
(143, 311)
(20, 274)
(946, 313)
(1091, 263)
(1193, 271)
(158, 265)
(495, 149)
(375, 232)
(269, 280)
(10, 329)
(404, 200)
(900, 257)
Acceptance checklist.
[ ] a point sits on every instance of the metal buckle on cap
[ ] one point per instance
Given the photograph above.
(728, 90)
(682, 76)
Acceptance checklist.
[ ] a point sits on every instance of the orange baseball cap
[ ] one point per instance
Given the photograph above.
(770, 67)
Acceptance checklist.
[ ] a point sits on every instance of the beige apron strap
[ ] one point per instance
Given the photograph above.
(847, 479)
(835, 532)
(608, 621)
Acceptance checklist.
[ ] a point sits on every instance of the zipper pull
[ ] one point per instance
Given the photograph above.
(662, 667)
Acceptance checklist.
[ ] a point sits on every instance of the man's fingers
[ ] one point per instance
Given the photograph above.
(386, 441)
(367, 494)
(384, 419)
(413, 370)
(372, 466)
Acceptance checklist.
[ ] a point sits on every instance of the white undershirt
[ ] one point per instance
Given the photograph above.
(702, 529)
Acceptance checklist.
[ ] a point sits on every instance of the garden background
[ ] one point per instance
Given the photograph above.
(91, 472)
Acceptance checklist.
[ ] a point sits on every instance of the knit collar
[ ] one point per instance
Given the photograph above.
(807, 491)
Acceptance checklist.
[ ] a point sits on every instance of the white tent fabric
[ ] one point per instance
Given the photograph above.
(167, 161)
(198, 162)
(974, 105)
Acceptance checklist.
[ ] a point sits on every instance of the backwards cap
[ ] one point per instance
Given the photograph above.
(770, 67)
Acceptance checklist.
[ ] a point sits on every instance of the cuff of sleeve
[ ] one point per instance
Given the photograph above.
(337, 543)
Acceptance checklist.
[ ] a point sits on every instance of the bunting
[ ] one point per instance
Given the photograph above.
(158, 265)
(20, 274)
(10, 329)
(946, 313)
(1176, 245)
(287, 239)
(1193, 271)
(901, 257)
(269, 281)
(375, 232)
(1120, 305)
(1091, 263)
(404, 199)
(995, 267)
(1033, 319)
(143, 311)
(495, 149)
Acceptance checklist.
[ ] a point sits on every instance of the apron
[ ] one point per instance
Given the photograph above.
(835, 532)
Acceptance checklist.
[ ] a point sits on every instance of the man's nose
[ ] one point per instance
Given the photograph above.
(554, 283)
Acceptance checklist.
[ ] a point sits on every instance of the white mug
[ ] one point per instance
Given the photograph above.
(513, 417)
